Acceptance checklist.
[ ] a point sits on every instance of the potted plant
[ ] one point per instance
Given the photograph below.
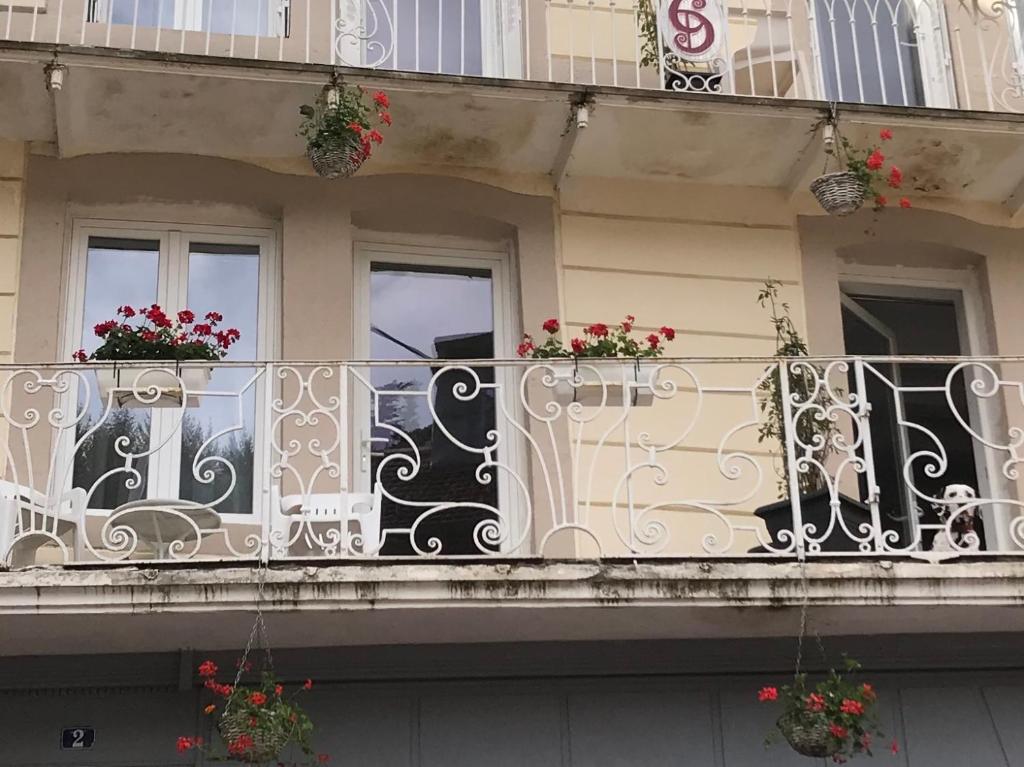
(148, 334)
(342, 127)
(256, 722)
(862, 176)
(812, 428)
(613, 362)
(835, 719)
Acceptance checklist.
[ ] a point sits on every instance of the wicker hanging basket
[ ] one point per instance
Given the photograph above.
(808, 735)
(339, 158)
(840, 193)
(266, 746)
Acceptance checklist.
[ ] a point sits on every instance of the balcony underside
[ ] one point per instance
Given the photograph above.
(130, 609)
(514, 134)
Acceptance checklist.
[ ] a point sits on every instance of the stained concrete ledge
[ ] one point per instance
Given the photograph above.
(135, 609)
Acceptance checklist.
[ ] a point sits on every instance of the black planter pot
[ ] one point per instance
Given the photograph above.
(815, 510)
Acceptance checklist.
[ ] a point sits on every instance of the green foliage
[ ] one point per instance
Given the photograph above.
(812, 426)
(343, 116)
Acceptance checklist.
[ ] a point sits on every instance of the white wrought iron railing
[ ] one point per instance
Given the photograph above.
(746, 457)
(943, 53)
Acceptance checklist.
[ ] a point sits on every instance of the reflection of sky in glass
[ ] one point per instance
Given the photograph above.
(247, 17)
(416, 308)
(115, 276)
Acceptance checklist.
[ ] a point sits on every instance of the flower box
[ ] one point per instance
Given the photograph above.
(604, 382)
(158, 386)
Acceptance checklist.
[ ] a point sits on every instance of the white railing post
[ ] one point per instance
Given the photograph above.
(863, 425)
(789, 448)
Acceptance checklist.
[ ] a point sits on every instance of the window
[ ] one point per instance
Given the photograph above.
(204, 453)
(421, 439)
(263, 18)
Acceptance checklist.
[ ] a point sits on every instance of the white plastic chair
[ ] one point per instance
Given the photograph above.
(27, 514)
(321, 513)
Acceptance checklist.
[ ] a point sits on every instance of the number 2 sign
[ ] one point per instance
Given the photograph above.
(77, 738)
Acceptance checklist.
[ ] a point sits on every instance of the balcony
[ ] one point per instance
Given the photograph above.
(745, 458)
(935, 53)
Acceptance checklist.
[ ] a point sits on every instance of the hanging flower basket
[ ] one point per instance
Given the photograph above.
(342, 127)
(861, 176)
(257, 722)
(840, 193)
(339, 159)
(835, 718)
(808, 734)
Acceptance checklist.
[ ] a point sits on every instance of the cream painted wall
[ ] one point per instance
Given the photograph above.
(693, 258)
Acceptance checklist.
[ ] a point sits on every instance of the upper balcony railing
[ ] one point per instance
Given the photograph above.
(943, 53)
(759, 458)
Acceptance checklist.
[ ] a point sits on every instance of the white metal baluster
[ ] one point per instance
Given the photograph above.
(416, 27)
(440, 34)
(572, 41)
(268, 418)
(636, 41)
(593, 42)
(797, 63)
(284, 8)
(159, 22)
(856, 50)
(835, 49)
(988, 66)
(547, 37)
(462, 37)
(863, 425)
(789, 447)
(615, 54)
(309, 12)
(899, 58)
(771, 49)
(878, 53)
(730, 70)
(963, 67)
(209, 26)
(10, 18)
(110, 21)
(85, 17)
(234, 20)
(60, 21)
(35, 16)
(394, 20)
(525, 5)
(261, 18)
(744, 14)
(135, 23)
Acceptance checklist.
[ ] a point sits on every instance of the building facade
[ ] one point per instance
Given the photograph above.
(482, 558)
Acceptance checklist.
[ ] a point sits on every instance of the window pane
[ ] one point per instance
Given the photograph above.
(225, 279)
(429, 314)
(244, 17)
(118, 272)
(433, 35)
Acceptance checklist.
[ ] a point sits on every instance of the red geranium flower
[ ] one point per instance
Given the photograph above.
(894, 747)
(380, 98)
(881, 201)
(598, 329)
(768, 693)
(207, 668)
(868, 691)
(375, 136)
(308, 685)
(214, 316)
(895, 177)
(653, 340)
(885, 134)
(526, 347)
(815, 702)
(126, 311)
(385, 117)
(278, 689)
(551, 326)
(80, 356)
(838, 732)
(904, 202)
(852, 707)
(185, 317)
(669, 333)
(184, 744)
(257, 698)
(578, 345)
(875, 160)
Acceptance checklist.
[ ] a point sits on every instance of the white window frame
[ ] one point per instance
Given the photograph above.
(190, 15)
(963, 286)
(172, 288)
(497, 261)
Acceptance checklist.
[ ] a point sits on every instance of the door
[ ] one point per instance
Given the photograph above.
(919, 446)
(240, 17)
(429, 433)
(204, 453)
(461, 37)
(884, 52)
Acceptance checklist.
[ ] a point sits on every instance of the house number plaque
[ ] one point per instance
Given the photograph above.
(77, 738)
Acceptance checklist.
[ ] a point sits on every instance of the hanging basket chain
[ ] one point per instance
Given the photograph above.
(258, 635)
